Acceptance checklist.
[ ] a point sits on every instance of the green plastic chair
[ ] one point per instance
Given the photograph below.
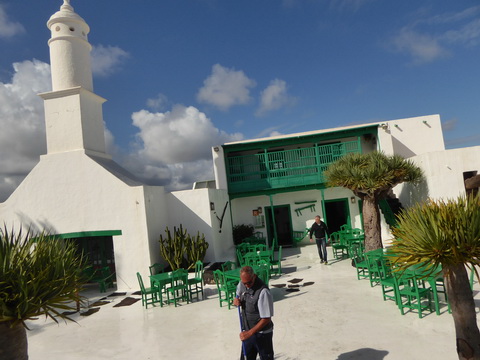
(240, 260)
(178, 290)
(374, 261)
(277, 262)
(438, 286)
(387, 282)
(411, 294)
(228, 265)
(259, 247)
(195, 284)
(149, 295)
(262, 269)
(155, 269)
(340, 250)
(226, 290)
(104, 278)
(360, 262)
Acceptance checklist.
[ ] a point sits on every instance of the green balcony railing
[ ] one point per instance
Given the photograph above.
(287, 168)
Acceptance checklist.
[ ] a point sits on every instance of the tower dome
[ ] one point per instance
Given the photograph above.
(69, 50)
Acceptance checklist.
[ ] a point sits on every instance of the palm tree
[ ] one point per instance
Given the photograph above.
(39, 275)
(371, 177)
(446, 234)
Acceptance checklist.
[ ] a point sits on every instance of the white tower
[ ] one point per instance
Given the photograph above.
(73, 113)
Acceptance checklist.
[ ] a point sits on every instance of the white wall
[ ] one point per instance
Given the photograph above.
(411, 136)
(242, 208)
(191, 208)
(71, 192)
(443, 172)
(219, 168)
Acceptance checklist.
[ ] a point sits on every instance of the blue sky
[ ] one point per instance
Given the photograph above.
(181, 76)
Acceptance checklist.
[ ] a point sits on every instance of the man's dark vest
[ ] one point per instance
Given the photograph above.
(251, 314)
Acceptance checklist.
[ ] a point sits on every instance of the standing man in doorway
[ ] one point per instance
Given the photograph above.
(320, 230)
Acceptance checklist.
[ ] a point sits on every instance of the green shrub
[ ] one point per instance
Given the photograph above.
(241, 232)
(182, 250)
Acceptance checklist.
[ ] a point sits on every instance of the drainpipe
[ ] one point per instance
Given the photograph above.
(275, 241)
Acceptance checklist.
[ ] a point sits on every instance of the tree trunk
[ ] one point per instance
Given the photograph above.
(461, 301)
(371, 223)
(13, 342)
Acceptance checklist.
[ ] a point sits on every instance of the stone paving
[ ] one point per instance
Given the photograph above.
(336, 317)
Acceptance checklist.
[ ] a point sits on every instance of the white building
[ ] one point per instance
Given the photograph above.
(276, 183)
(78, 191)
(285, 174)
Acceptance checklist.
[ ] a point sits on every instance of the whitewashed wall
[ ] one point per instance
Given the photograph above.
(219, 167)
(411, 136)
(242, 208)
(71, 192)
(443, 172)
(191, 208)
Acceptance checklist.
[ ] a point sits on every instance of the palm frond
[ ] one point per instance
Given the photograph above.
(443, 232)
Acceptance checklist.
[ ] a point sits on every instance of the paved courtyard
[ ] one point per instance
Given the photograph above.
(336, 317)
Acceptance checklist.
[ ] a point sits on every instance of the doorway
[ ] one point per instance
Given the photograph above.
(98, 250)
(337, 214)
(283, 225)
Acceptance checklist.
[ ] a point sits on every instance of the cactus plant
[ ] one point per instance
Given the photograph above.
(182, 250)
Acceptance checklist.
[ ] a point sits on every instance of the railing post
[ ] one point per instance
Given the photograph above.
(317, 160)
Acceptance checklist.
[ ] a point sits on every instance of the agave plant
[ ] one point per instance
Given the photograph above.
(39, 275)
(446, 234)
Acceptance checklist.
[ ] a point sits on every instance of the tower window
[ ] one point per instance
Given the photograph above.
(72, 29)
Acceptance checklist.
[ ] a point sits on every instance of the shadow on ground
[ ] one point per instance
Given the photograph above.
(363, 354)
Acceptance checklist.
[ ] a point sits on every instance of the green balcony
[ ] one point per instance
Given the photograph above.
(284, 169)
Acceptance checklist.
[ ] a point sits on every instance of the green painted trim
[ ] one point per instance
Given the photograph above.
(89, 234)
(305, 202)
(275, 241)
(324, 211)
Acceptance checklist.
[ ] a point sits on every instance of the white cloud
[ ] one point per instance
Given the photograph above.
(274, 97)
(174, 148)
(468, 34)
(22, 138)
(275, 133)
(158, 103)
(422, 48)
(225, 88)
(270, 131)
(430, 38)
(182, 135)
(107, 59)
(9, 28)
(449, 125)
